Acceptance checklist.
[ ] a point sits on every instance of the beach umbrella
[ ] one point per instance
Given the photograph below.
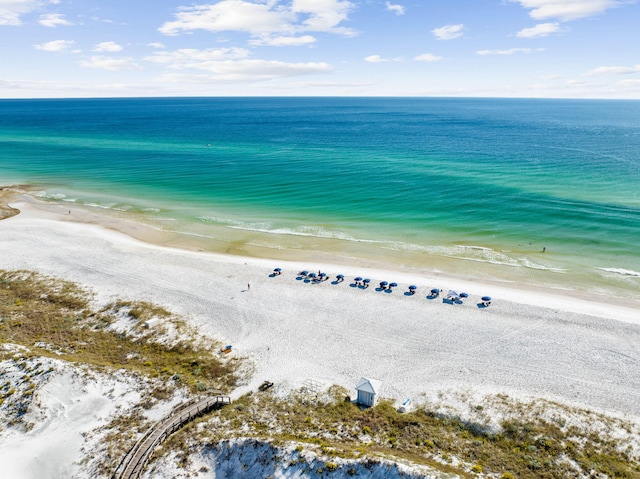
(393, 285)
(486, 298)
(464, 295)
(340, 276)
(413, 287)
(322, 275)
(304, 273)
(277, 270)
(435, 291)
(366, 280)
(312, 275)
(383, 283)
(453, 295)
(358, 278)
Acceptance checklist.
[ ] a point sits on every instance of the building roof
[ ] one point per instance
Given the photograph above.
(369, 385)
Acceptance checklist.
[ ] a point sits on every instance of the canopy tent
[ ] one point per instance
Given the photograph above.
(453, 295)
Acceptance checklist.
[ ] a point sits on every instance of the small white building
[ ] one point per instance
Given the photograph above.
(368, 391)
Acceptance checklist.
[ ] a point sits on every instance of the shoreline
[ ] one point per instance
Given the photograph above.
(528, 343)
(463, 274)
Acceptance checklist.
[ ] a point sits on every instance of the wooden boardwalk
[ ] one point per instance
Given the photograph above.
(133, 464)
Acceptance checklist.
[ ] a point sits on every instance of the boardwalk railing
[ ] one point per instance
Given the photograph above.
(133, 464)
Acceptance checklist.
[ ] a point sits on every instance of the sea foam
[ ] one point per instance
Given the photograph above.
(621, 271)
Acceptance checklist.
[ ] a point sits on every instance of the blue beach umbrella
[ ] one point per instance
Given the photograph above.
(304, 273)
(322, 275)
(366, 281)
(393, 285)
(358, 278)
(277, 270)
(312, 275)
(413, 287)
(435, 291)
(340, 276)
(383, 283)
(464, 295)
(486, 298)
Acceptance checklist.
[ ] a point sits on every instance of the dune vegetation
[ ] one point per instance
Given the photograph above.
(50, 317)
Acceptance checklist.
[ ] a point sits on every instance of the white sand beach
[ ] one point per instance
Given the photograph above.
(527, 343)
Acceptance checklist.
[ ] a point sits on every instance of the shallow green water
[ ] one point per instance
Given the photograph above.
(488, 183)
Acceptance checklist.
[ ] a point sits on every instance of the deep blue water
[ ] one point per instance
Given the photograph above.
(490, 180)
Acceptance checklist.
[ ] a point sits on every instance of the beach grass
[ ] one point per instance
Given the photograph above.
(55, 318)
(526, 445)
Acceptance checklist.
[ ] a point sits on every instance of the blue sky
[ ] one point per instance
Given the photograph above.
(495, 48)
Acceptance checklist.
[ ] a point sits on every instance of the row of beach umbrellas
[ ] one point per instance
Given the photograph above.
(453, 295)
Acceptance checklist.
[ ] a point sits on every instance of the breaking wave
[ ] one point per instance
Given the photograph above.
(621, 271)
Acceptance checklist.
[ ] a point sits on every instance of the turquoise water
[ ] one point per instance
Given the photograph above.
(472, 182)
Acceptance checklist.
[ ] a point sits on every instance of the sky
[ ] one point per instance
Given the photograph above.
(453, 48)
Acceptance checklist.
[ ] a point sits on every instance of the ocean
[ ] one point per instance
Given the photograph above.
(540, 192)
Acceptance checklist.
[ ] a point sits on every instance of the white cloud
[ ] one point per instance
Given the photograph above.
(448, 32)
(509, 51)
(54, 45)
(156, 45)
(397, 9)
(566, 9)
(44, 88)
(285, 41)
(249, 70)
(540, 30)
(237, 15)
(191, 57)
(323, 15)
(629, 83)
(318, 84)
(616, 70)
(109, 63)
(428, 57)
(107, 47)
(11, 10)
(262, 18)
(53, 20)
(380, 59)
(228, 65)
(189, 78)
(375, 59)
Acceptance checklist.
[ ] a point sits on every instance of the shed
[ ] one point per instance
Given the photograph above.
(368, 391)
